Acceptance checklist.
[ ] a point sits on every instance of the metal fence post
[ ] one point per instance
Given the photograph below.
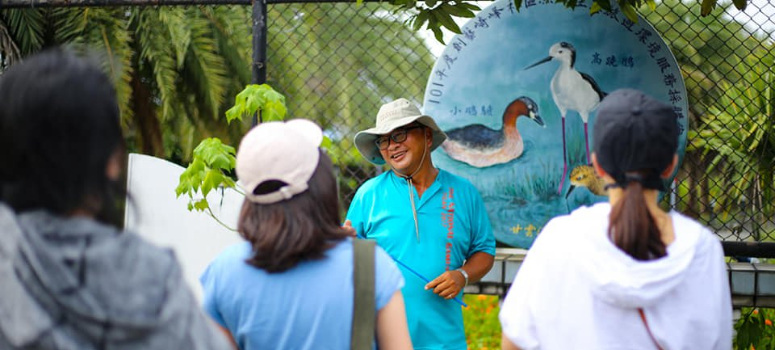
(259, 47)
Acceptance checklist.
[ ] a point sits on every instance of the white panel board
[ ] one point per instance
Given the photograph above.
(153, 212)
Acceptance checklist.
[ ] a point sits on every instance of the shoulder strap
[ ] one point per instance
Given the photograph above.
(364, 303)
(648, 329)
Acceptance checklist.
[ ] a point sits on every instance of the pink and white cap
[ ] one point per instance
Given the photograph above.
(278, 151)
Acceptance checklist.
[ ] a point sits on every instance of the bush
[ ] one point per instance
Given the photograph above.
(754, 329)
(483, 329)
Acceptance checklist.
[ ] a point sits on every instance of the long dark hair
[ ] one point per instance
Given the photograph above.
(59, 126)
(302, 228)
(631, 226)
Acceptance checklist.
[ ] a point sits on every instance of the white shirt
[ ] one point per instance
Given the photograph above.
(577, 290)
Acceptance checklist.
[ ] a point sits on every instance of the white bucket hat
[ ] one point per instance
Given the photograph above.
(393, 115)
(278, 151)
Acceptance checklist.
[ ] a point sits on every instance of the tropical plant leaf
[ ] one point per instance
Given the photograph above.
(445, 18)
(707, 6)
(26, 27)
(9, 51)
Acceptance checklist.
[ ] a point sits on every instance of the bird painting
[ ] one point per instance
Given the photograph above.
(480, 146)
(585, 176)
(572, 91)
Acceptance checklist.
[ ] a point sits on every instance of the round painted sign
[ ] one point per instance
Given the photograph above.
(517, 94)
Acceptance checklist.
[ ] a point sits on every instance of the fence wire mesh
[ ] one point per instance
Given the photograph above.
(727, 62)
(337, 63)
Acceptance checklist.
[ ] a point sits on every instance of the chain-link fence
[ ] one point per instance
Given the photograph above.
(338, 63)
(726, 179)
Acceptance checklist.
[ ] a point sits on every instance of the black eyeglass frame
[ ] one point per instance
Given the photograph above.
(397, 136)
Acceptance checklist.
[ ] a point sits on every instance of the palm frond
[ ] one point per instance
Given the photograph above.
(70, 23)
(175, 21)
(27, 28)
(103, 32)
(156, 52)
(205, 67)
(9, 52)
(232, 32)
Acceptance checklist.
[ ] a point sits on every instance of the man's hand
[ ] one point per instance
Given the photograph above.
(448, 284)
(348, 226)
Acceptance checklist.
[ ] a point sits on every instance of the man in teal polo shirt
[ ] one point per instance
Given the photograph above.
(430, 220)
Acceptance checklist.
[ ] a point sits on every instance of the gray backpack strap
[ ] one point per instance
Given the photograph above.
(364, 304)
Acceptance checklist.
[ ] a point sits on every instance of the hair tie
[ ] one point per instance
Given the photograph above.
(649, 181)
(623, 180)
(630, 177)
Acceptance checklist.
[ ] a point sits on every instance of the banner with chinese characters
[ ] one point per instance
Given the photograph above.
(517, 94)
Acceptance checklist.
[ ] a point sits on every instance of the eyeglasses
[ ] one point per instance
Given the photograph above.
(398, 136)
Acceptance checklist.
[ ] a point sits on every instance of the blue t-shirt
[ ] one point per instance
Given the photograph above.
(453, 225)
(309, 306)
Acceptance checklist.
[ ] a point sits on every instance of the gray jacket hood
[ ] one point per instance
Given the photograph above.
(74, 283)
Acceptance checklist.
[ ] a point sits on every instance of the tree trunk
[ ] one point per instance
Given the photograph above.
(145, 116)
(690, 165)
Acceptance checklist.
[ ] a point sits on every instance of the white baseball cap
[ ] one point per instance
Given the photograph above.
(278, 151)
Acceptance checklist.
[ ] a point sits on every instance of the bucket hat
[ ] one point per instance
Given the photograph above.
(391, 116)
(285, 154)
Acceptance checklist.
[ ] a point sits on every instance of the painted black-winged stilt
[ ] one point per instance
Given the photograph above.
(480, 146)
(571, 90)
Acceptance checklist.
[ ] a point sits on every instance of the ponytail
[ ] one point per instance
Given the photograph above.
(632, 228)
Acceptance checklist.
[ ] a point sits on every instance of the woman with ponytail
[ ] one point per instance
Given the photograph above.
(623, 274)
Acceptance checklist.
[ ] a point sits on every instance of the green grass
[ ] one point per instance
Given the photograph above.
(545, 183)
(483, 329)
(577, 149)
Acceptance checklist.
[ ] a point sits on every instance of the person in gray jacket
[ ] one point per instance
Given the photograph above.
(70, 278)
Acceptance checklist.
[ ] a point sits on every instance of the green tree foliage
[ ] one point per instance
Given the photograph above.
(213, 163)
(737, 135)
(708, 49)
(435, 14)
(754, 329)
(258, 99)
(480, 318)
(173, 67)
(337, 63)
(714, 53)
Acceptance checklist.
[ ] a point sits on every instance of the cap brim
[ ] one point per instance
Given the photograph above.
(364, 140)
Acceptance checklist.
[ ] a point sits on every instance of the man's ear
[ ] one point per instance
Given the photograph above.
(598, 169)
(670, 168)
